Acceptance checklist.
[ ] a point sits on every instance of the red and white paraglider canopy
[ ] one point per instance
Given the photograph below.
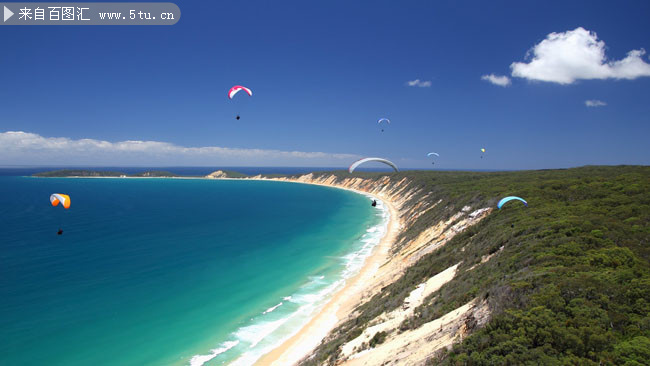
(235, 89)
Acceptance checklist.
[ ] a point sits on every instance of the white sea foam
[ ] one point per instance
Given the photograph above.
(354, 261)
(313, 297)
(260, 332)
(272, 308)
(199, 360)
(254, 334)
(314, 281)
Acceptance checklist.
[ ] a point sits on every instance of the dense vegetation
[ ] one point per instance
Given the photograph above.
(234, 174)
(570, 279)
(77, 173)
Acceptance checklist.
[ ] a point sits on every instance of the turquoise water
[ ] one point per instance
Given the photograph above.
(170, 271)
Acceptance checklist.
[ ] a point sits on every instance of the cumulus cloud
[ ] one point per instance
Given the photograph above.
(419, 83)
(24, 148)
(574, 55)
(595, 103)
(500, 80)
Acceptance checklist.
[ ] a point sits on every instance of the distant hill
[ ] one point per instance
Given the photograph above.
(226, 174)
(92, 173)
(78, 173)
(63, 173)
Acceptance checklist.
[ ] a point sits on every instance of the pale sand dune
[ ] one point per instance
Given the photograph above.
(413, 347)
(391, 321)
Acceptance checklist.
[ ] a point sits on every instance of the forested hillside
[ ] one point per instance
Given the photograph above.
(568, 281)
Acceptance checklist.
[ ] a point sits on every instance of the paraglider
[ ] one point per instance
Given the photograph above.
(364, 160)
(374, 203)
(64, 200)
(236, 89)
(433, 153)
(482, 152)
(385, 120)
(510, 198)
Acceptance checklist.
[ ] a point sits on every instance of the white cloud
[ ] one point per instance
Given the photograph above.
(595, 103)
(500, 80)
(574, 55)
(419, 83)
(23, 148)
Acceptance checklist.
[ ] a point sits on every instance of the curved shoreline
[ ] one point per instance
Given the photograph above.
(342, 302)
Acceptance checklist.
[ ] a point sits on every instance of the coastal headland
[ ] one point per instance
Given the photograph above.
(451, 263)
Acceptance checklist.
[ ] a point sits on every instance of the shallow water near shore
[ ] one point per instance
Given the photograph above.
(170, 271)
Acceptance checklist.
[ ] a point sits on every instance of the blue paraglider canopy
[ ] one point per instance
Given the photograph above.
(510, 198)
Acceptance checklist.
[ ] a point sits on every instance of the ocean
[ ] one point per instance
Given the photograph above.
(170, 271)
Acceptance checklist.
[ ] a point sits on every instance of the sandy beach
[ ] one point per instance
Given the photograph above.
(342, 303)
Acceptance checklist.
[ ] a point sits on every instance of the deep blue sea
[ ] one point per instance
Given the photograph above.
(170, 271)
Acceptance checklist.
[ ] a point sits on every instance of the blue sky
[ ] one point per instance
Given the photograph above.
(322, 73)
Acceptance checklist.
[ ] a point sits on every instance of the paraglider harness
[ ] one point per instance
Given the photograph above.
(374, 203)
